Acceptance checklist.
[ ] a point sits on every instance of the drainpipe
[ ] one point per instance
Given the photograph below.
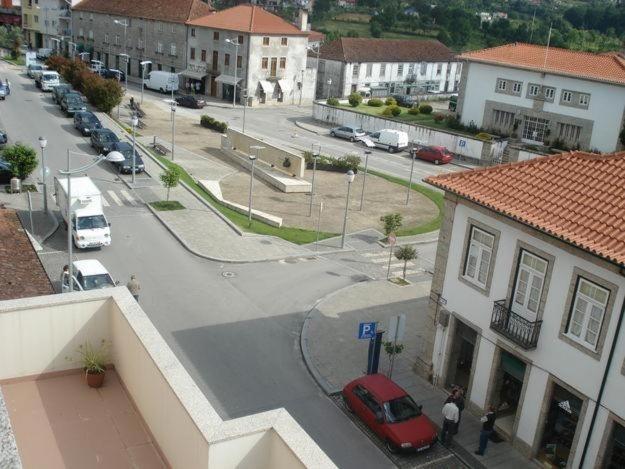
(602, 388)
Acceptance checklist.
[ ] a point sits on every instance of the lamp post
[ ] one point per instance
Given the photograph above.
(73, 47)
(82, 54)
(364, 178)
(315, 156)
(317, 50)
(126, 60)
(43, 143)
(412, 153)
(143, 65)
(173, 127)
(244, 96)
(125, 25)
(329, 82)
(253, 159)
(349, 177)
(135, 121)
(113, 157)
(236, 54)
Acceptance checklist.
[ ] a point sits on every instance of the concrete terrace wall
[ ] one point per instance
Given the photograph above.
(473, 149)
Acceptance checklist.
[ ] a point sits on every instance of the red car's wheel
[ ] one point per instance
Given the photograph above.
(347, 406)
(391, 447)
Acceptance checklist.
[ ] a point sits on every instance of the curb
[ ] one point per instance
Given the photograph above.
(301, 126)
(52, 230)
(407, 243)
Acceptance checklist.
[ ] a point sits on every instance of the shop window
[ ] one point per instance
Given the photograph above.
(615, 451)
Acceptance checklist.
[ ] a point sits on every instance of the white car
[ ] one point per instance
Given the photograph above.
(387, 139)
(89, 274)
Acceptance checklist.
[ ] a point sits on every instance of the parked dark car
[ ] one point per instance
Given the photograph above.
(390, 413)
(125, 149)
(102, 139)
(59, 91)
(5, 172)
(86, 122)
(72, 103)
(190, 101)
(113, 74)
(405, 100)
(3, 137)
(436, 154)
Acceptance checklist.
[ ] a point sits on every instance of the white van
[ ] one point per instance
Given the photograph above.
(48, 80)
(164, 82)
(388, 139)
(89, 274)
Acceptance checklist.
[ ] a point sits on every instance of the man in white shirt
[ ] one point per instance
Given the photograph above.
(450, 419)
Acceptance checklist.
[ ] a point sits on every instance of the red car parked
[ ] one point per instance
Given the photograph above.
(390, 413)
(436, 154)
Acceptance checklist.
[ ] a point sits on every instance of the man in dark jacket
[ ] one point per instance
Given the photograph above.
(488, 425)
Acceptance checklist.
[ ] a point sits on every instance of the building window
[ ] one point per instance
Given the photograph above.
(615, 451)
(517, 86)
(584, 99)
(159, 67)
(139, 43)
(227, 60)
(534, 90)
(172, 49)
(192, 32)
(502, 84)
(159, 26)
(479, 254)
(400, 70)
(424, 68)
(91, 35)
(215, 35)
(239, 61)
(264, 63)
(439, 69)
(173, 29)
(568, 132)
(587, 313)
(159, 47)
(567, 96)
(502, 119)
(355, 70)
(240, 39)
(36, 19)
(192, 53)
(116, 38)
(106, 38)
(411, 69)
(203, 55)
(382, 70)
(549, 93)
(284, 41)
(529, 285)
(266, 41)
(282, 62)
(369, 70)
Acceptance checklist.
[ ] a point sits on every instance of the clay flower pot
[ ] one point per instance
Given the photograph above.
(94, 379)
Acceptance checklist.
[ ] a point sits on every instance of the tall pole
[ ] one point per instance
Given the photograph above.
(126, 57)
(364, 180)
(234, 87)
(142, 81)
(301, 90)
(69, 225)
(349, 185)
(318, 224)
(244, 107)
(120, 102)
(390, 256)
(249, 200)
(312, 185)
(410, 181)
(134, 153)
(43, 179)
(173, 129)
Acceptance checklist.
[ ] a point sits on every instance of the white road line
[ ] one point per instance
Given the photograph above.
(116, 199)
(375, 254)
(105, 202)
(129, 198)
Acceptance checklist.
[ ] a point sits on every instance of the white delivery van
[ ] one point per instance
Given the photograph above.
(388, 139)
(44, 53)
(48, 80)
(90, 228)
(164, 82)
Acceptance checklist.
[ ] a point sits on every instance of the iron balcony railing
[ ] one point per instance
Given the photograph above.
(516, 328)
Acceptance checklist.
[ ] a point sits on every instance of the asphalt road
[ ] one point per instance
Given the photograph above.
(238, 336)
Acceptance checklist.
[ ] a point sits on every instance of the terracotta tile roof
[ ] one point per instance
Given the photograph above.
(173, 11)
(603, 67)
(316, 36)
(578, 197)
(350, 49)
(21, 272)
(248, 19)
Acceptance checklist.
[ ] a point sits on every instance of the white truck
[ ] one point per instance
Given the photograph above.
(162, 81)
(90, 228)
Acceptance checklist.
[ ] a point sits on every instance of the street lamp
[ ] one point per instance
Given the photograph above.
(134, 121)
(316, 50)
(125, 54)
(82, 54)
(315, 156)
(173, 127)
(349, 177)
(413, 154)
(253, 159)
(73, 46)
(113, 157)
(364, 176)
(236, 55)
(143, 65)
(42, 144)
(244, 96)
(329, 82)
(126, 60)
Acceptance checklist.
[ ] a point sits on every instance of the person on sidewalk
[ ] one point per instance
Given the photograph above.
(450, 419)
(65, 279)
(134, 287)
(457, 396)
(488, 425)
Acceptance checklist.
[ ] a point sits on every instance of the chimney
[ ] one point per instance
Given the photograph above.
(302, 19)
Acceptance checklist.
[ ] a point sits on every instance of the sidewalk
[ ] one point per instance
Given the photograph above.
(335, 356)
(43, 225)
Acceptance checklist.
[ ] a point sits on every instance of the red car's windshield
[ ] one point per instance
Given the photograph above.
(400, 409)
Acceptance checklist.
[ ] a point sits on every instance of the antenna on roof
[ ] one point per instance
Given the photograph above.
(547, 48)
(532, 26)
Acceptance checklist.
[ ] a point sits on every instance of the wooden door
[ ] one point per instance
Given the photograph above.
(215, 59)
(213, 86)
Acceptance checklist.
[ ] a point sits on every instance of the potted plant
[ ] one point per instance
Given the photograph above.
(94, 362)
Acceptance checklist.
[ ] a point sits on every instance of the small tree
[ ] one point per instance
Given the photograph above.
(391, 222)
(392, 349)
(22, 158)
(406, 253)
(170, 178)
(354, 99)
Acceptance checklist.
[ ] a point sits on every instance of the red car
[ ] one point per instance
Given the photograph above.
(390, 413)
(435, 154)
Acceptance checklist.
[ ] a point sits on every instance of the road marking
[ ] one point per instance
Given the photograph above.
(116, 199)
(129, 198)
(105, 202)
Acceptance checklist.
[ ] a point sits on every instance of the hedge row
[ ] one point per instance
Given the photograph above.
(328, 163)
(210, 123)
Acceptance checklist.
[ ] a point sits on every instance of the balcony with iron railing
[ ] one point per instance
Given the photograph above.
(516, 328)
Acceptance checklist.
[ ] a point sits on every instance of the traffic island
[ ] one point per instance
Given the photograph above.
(166, 205)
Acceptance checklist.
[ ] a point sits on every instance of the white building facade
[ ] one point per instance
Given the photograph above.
(533, 326)
(551, 104)
(47, 22)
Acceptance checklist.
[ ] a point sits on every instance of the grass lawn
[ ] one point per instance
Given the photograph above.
(364, 30)
(18, 61)
(166, 205)
(294, 235)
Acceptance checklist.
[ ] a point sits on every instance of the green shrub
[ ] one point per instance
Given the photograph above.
(210, 123)
(387, 112)
(354, 99)
(390, 102)
(22, 158)
(413, 111)
(425, 109)
(375, 102)
(484, 136)
(328, 163)
(333, 102)
(439, 117)
(395, 110)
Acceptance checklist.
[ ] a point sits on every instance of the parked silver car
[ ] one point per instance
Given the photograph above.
(350, 133)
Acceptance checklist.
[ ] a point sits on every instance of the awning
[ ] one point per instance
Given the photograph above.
(194, 74)
(285, 86)
(266, 86)
(228, 79)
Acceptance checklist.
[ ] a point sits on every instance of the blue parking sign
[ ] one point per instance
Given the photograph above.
(366, 330)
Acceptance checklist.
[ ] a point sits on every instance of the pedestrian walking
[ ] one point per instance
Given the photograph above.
(134, 287)
(488, 425)
(450, 419)
(459, 399)
(65, 278)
